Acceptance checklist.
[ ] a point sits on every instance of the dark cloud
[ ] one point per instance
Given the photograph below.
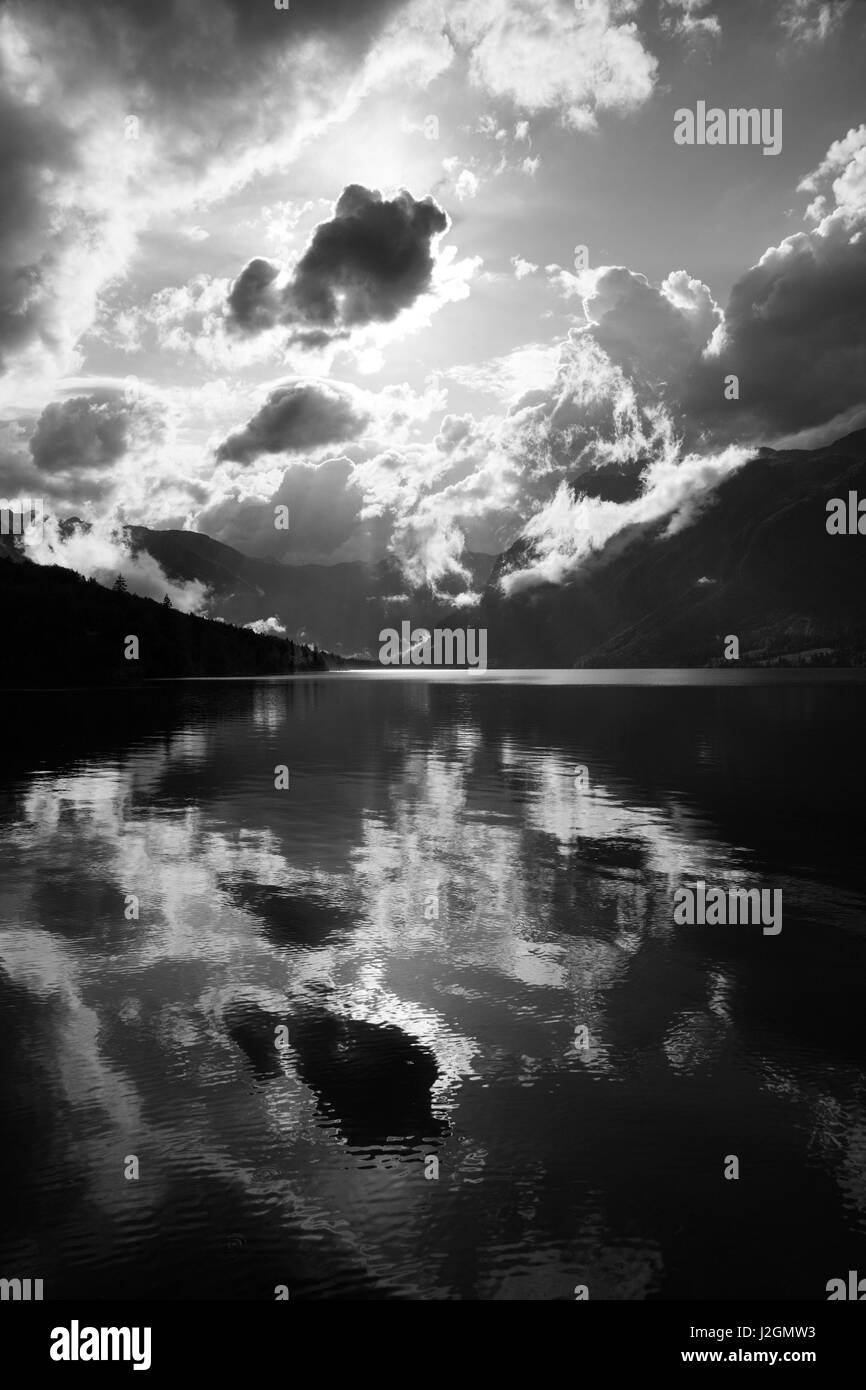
(793, 333)
(85, 433)
(253, 304)
(302, 415)
(795, 336)
(366, 264)
(78, 444)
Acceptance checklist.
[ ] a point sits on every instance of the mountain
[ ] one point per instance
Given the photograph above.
(757, 563)
(342, 607)
(61, 629)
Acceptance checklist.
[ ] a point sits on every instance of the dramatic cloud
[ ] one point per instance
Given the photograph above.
(570, 528)
(647, 374)
(81, 433)
(78, 444)
(794, 329)
(114, 116)
(369, 261)
(149, 146)
(795, 335)
(299, 417)
(654, 335)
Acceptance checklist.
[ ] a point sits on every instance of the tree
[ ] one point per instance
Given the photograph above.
(166, 603)
(119, 585)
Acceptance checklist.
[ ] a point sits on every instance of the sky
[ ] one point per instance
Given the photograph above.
(427, 275)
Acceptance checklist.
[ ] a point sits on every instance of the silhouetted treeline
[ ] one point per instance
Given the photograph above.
(61, 629)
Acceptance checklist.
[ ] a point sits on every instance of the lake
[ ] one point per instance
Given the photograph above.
(420, 1023)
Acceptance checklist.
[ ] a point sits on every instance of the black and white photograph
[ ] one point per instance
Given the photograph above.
(432, 560)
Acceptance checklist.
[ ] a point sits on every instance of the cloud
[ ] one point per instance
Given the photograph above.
(267, 627)
(466, 185)
(298, 417)
(845, 162)
(454, 430)
(654, 334)
(84, 432)
(326, 517)
(578, 62)
(522, 268)
(644, 378)
(794, 329)
(811, 21)
(571, 528)
(688, 20)
(794, 334)
(78, 444)
(369, 261)
(100, 551)
(621, 424)
(510, 375)
(113, 117)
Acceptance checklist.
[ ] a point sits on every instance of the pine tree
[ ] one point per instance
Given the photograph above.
(166, 603)
(119, 585)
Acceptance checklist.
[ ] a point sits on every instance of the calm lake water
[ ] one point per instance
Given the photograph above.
(339, 1041)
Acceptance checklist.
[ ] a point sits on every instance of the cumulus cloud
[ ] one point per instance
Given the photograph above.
(633, 424)
(794, 328)
(369, 261)
(654, 334)
(83, 432)
(844, 167)
(577, 61)
(454, 430)
(267, 627)
(298, 417)
(644, 379)
(795, 335)
(793, 331)
(78, 444)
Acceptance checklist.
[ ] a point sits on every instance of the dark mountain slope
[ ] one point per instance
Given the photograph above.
(777, 580)
(60, 629)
